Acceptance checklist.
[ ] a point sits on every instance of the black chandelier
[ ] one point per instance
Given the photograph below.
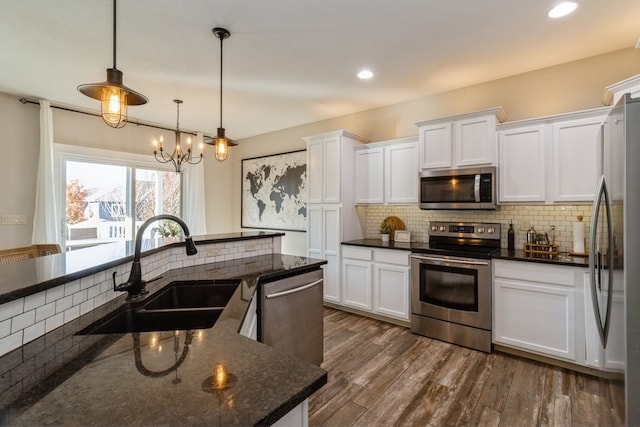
(179, 156)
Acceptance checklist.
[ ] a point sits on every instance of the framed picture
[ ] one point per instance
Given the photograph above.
(274, 191)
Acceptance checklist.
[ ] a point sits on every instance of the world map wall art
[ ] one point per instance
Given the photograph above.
(274, 191)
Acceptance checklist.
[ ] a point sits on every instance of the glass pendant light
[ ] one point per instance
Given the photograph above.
(221, 143)
(114, 96)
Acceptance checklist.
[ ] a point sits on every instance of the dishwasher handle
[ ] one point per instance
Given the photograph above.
(294, 290)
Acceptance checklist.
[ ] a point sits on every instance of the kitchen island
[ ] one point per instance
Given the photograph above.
(213, 376)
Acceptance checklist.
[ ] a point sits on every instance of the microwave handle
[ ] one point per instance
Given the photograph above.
(476, 188)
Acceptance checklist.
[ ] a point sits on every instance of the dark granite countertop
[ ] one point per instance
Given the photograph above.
(377, 243)
(131, 380)
(514, 255)
(562, 259)
(19, 279)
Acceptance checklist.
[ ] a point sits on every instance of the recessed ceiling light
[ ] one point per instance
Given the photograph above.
(562, 9)
(365, 74)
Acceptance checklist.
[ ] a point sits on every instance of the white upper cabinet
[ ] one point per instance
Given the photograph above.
(577, 160)
(387, 172)
(522, 164)
(330, 161)
(369, 174)
(459, 141)
(555, 159)
(401, 172)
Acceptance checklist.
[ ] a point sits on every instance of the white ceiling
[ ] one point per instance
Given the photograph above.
(290, 62)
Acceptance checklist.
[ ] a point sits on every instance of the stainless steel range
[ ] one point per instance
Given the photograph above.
(451, 283)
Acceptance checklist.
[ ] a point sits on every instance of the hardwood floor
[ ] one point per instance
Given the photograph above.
(383, 375)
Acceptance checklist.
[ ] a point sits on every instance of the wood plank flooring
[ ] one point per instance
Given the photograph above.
(383, 375)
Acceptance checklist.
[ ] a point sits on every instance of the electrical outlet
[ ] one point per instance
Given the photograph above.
(525, 225)
(250, 246)
(16, 219)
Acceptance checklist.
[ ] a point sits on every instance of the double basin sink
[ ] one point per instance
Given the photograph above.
(180, 305)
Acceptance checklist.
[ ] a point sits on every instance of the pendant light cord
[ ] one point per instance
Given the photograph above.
(114, 35)
(221, 40)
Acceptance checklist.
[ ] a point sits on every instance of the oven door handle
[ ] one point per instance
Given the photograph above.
(451, 261)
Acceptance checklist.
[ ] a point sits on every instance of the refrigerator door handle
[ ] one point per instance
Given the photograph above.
(595, 261)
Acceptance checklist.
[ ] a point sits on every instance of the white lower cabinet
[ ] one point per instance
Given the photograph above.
(547, 309)
(376, 281)
(535, 308)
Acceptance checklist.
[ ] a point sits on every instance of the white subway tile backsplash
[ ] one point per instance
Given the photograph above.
(54, 322)
(86, 307)
(54, 293)
(11, 342)
(33, 332)
(11, 309)
(23, 320)
(34, 301)
(87, 282)
(72, 313)
(71, 287)
(45, 311)
(5, 328)
(64, 304)
(79, 297)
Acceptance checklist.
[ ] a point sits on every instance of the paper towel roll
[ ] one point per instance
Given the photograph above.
(578, 237)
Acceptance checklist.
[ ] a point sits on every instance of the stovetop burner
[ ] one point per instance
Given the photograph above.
(470, 240)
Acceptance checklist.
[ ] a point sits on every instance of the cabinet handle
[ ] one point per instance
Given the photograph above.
(449, 260)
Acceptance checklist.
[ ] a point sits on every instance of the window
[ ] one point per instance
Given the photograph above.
(107, 200)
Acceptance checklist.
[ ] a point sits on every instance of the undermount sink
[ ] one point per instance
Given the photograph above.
(180, 306)
(190, 295)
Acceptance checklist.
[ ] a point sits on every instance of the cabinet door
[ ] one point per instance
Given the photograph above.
(314, 231)
(522, 164)
(370, 175)
(401, 173)
(331, 169)
(391, 291)
(356, 280)
(475, 141)
(314, 171)
(331, 239)
(535, 317)
(436, 145)
(576, 147)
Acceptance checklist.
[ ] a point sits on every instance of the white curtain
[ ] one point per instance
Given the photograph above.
(194, 206)
(45, 216)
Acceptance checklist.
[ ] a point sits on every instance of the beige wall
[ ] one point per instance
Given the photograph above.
(563, 88)
(568, 87)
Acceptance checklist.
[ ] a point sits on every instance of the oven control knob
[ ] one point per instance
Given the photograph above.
(443, 228)
(434, 228)
(480, 230)
(491, 230)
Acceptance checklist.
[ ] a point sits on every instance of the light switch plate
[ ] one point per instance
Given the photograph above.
(15, 219)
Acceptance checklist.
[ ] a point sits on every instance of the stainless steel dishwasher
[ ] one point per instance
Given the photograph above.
(290, 315)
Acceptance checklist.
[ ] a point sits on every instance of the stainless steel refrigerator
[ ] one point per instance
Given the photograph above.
(614, 252)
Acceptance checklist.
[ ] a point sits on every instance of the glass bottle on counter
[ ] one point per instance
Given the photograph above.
(511, 237)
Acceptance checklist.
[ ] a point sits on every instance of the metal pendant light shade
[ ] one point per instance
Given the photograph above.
(221, 143)
(114, 96)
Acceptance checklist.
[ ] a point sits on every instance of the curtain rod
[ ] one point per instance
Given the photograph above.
(28, 101)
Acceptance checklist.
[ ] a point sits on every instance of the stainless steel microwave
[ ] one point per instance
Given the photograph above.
(472, 188)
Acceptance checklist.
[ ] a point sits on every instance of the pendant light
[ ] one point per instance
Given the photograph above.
(114, 97)
(221, 143)
(179, 156)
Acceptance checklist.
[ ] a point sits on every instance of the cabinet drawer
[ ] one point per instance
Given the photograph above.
(356, 252)
(392, 256)
(545, 273)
